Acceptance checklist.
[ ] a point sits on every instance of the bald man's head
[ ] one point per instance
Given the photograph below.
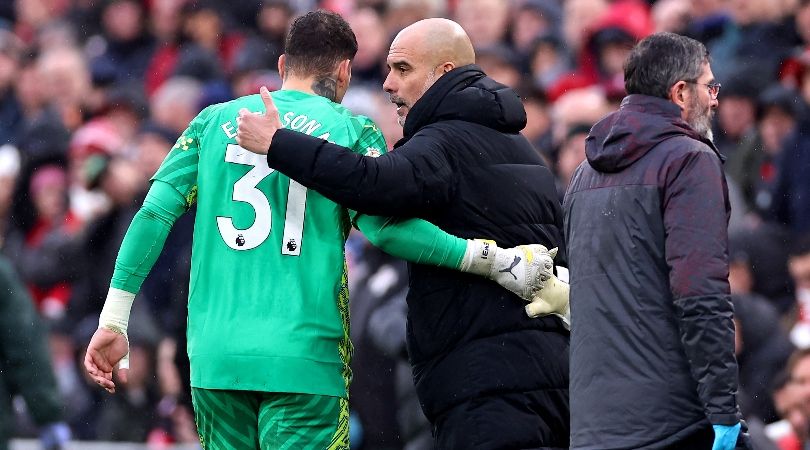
(439, 40)
(420, 54)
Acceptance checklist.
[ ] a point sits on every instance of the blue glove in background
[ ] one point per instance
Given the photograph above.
(725, 436)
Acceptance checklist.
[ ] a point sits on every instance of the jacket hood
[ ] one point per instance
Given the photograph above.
(466, 93)
(642, 121)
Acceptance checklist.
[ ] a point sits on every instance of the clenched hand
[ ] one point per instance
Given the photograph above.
(255, 130)
(106, 349)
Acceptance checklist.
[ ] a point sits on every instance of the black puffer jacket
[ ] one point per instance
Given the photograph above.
(463, 166)
(652, 344)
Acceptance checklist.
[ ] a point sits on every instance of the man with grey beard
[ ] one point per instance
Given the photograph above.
(652, 343)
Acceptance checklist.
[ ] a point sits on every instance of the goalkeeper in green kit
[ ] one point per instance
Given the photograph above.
(270, 356)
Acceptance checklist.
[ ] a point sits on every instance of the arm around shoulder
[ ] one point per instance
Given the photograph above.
(408, 181)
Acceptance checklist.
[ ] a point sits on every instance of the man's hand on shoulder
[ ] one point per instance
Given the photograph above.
(255, 131)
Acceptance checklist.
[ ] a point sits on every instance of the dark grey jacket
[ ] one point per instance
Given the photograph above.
(652, 345)
(25, 364)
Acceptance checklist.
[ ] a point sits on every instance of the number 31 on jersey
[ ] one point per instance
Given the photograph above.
(245, 190)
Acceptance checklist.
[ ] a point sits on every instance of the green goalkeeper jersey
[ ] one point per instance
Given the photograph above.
(268, 302)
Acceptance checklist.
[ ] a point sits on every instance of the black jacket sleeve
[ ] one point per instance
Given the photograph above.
(695, 219)
(413, 180)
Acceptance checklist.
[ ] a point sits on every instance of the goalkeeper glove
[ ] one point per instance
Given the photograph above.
(552, 299)
(522, 270)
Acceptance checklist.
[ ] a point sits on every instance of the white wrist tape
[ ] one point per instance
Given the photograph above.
(115, 313)
(115, 316)
(479, 257)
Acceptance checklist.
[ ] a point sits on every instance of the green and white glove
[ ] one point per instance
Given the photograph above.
(522, 269)
(552, 299)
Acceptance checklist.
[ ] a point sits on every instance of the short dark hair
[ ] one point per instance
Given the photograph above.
(317, 42)
(661, 60)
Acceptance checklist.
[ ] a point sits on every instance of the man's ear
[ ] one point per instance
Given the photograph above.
(282, 66)
(447, 67)
(344, 74)
(679, 94)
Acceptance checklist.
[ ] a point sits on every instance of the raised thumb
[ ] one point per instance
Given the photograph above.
(267, 99)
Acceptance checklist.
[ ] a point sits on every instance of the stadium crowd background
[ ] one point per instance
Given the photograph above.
(94, 93)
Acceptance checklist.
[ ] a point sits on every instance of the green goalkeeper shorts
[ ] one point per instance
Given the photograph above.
(249, 420)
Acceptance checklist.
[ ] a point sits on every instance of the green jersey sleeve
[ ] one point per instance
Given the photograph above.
(145, 237)
(413, 240)
(179, 169)
(371, 141)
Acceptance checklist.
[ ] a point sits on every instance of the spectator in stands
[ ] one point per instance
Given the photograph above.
(65, 84)
(577, 106)
(377, 279)
(762, 350)
(753, 163)
(176, 103)
(736, 114)
(372, 46)
(198, 45)
(386, 330)
(533, 18)
(9, 171)
(570, 154)
(792, 186)
(401, 13)
(793, 400)
(606, 44)
(548, 60)
(122, 183)
(501, 64)
(261, 50)
(799, 266)
(756, 38)
(485, 21)
(38, 252)
(538, 122)
(126, 45)
(10, 111)
(42, 136)
(672, 15)
(132, 415)
(790, 432)
(758, 264)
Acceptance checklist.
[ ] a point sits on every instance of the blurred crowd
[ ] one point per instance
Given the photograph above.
(94, 93)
